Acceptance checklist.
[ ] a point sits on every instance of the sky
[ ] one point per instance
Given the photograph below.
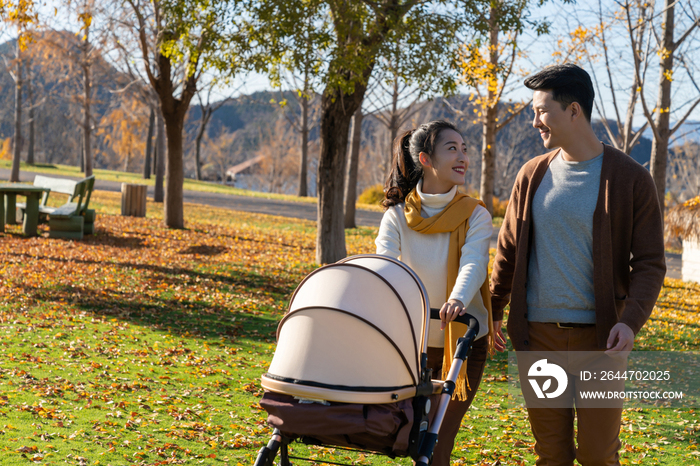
(564, 18)
(539, 53)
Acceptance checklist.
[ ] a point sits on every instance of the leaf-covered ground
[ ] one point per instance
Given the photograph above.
(143, 345)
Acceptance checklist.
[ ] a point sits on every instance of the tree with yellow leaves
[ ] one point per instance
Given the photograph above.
(22, 15)
(177, 41)
(673, 56)
(487, 63)
(602, 41)
(123, 129)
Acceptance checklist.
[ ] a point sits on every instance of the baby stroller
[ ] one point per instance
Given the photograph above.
(350, 368)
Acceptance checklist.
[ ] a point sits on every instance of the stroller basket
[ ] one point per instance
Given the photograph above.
(350, 364)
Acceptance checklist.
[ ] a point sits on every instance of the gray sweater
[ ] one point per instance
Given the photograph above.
(560, 270)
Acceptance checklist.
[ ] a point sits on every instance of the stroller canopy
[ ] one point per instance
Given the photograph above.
(354, 333)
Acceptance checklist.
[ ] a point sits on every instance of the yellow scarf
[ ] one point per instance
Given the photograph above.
(454, 218)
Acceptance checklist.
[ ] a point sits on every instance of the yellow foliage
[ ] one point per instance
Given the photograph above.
(372, 195)
(576, 49)
(124, 130)
(22, 14)
(499, 207)
(6, 149)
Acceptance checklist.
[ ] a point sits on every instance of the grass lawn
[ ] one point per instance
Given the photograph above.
(143, 345)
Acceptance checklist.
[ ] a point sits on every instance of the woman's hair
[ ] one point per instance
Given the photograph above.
(406, 169)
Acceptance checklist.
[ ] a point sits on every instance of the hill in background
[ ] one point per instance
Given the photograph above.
(238, 131)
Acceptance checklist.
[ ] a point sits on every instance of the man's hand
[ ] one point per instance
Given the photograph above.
(622, 337)
(449, 312)
(498, 336)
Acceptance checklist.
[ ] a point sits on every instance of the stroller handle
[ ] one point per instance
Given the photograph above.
(466, 319)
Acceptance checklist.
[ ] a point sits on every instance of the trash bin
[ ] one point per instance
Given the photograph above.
(134, 199)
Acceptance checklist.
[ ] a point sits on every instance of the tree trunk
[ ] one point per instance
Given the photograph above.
(30, 98)
(127, 161)
(488, 158)
(393, 125)
(87, 129)
(351, 179)
(149, 145)
(174, 174)
(14, 176)
(394, 122)
(155, 149)
(303, 162)
(488, 149)
(81, 159)
(337, 109)
(160, 157)
(659, 149)
(627, 137)
(206, 113)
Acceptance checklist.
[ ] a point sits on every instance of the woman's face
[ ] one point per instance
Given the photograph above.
(448, 165)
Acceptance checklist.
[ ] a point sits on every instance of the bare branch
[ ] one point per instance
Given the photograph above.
(510, 117)
(686, 33)
(685, 117)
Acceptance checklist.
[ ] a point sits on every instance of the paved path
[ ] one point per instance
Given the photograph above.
(286, 209)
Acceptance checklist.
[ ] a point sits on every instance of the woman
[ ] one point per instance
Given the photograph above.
(424, 226)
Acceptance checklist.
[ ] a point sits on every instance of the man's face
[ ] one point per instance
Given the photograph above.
(550, 119)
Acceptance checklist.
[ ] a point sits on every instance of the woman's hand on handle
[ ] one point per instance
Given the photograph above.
(449, 312)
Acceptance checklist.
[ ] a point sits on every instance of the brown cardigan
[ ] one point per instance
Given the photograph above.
(628, 247)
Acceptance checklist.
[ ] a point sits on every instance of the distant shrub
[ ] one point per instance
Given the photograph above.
(499, 207)
(372, 195)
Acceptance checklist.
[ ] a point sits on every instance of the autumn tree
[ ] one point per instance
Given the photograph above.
(207, 106)
(597, 39)
(21, 15)
(123, 129)
(350, 197)
(83, 53)
(221, 150)
(125, 48)
(178, 42)
(414, 64)
(358, 30)
(685, 170)
(488, 63)
(299, 69)
(674, 61)
(275, 171)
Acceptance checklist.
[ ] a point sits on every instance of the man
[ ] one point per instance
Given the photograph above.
(580, 258)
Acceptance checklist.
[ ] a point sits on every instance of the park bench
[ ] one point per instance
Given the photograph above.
(73, 219)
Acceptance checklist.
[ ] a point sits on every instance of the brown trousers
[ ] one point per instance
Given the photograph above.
(553, 428)
(456, 409)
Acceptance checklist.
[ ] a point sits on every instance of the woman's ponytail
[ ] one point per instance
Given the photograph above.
(405, 172)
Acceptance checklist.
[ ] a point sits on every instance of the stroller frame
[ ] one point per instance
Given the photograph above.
(426, 434)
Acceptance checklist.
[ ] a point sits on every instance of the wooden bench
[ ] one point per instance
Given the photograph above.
(73, 219)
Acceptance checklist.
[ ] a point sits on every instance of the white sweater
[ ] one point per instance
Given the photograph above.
(427, 255)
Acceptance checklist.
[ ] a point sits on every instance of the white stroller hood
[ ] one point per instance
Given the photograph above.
(354, 333)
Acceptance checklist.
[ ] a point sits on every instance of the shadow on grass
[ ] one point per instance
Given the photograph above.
(183, 317)
(105, 237)
(204, 250)
(175, 274)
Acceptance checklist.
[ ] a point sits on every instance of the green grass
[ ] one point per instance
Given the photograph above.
(143, 345)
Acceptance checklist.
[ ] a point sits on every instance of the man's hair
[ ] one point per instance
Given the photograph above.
(568, 83)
